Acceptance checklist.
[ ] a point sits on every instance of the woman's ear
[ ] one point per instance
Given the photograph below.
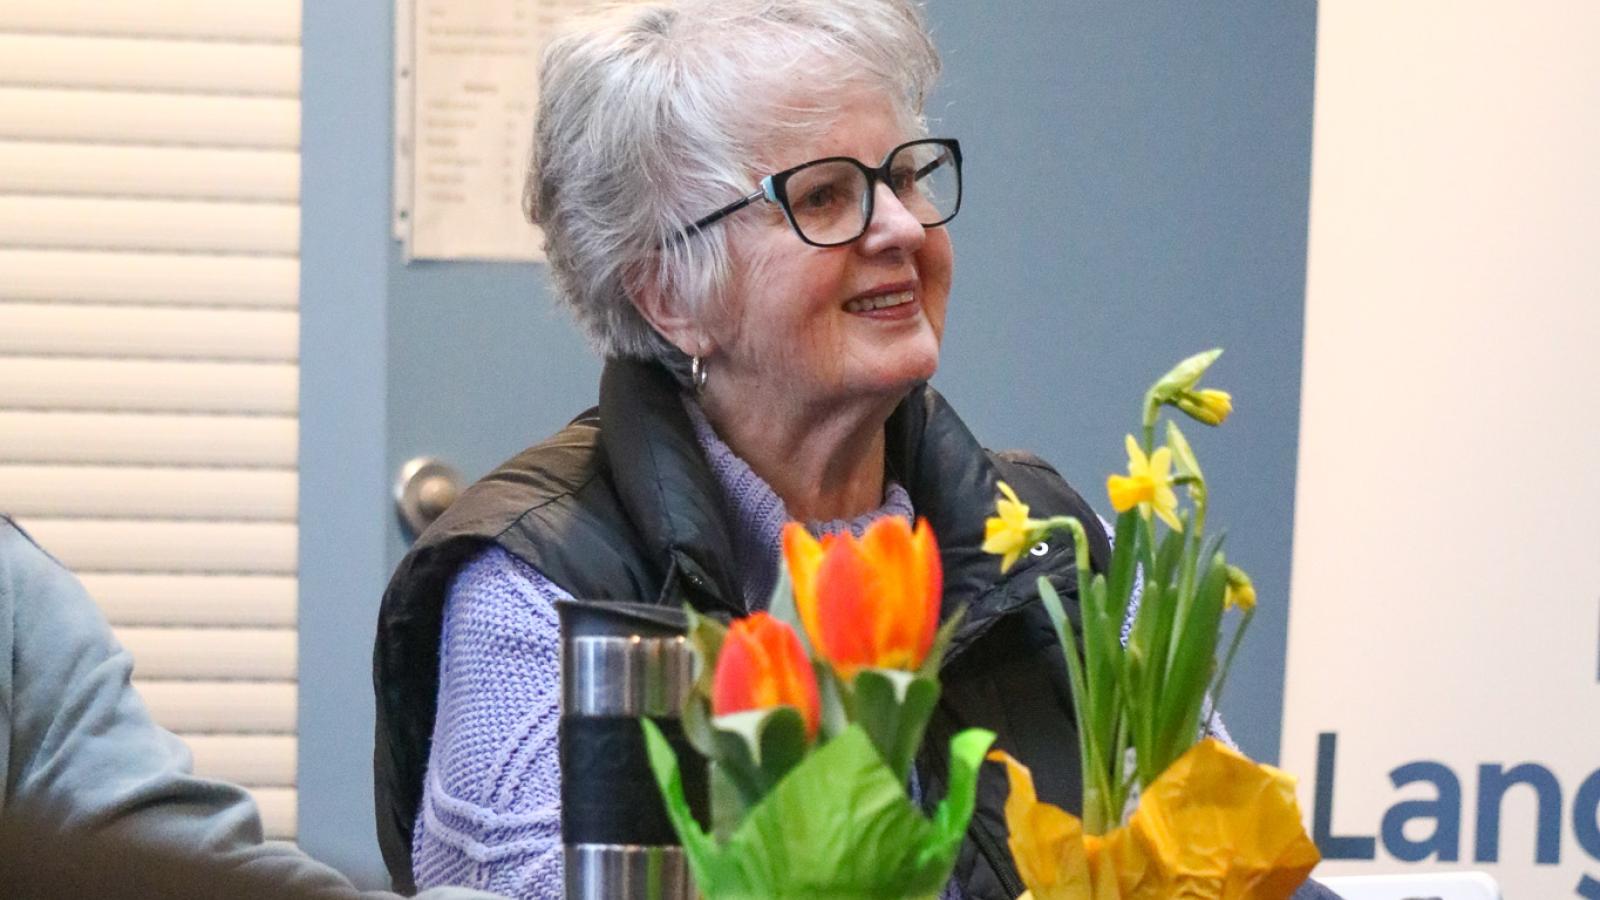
(663, 310)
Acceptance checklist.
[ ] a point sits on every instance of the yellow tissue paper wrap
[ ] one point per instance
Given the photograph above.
(1213, 826)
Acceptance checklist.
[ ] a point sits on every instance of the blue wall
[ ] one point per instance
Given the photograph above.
(466, 361)
(1137, 185)
(344, 473)
(1138, 178)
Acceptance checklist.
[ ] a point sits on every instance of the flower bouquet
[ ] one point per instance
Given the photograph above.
(1165, 814)
(811, 716)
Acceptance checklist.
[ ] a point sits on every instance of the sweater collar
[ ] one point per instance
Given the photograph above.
(757, 515)
(674, 499)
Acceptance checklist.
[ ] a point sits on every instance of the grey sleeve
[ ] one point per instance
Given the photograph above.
(84, 759)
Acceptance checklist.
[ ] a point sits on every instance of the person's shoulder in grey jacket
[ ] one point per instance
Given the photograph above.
(97, 797)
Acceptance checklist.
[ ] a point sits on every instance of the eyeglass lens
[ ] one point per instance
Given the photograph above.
(828, 200)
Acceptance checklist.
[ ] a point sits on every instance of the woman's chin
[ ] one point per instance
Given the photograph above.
(900, 373)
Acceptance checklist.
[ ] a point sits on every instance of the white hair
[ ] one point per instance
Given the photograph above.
(653, 114)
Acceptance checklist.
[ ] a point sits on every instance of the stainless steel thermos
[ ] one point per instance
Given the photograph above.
(620, 662)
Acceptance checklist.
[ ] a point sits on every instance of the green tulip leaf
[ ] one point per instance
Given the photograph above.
(808, 838)
(664, 765)
(893, 708)
(758, 747)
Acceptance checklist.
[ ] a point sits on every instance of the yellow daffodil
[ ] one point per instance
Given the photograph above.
(1207, 405)
(1240, 592)
(1009, 532)
(1148, 485)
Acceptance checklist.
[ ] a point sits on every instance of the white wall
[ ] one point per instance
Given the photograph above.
(1446, 583)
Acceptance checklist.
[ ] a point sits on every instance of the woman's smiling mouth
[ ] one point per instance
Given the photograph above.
(880, 302)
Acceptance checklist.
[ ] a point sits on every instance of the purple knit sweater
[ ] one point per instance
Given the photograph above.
(491, 807)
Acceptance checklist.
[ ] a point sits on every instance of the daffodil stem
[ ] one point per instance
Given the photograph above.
(1152, 409)
(1102, 773)
(1080, 541)
(1227, 664)
(1148, 557)
(1119, 783)
(1188, 564)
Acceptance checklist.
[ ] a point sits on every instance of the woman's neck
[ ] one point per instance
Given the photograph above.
(825, 463)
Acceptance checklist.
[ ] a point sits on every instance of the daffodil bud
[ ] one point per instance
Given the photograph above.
(1183, 376)
(1207, 405)
(1240, 592)
(1183, 454)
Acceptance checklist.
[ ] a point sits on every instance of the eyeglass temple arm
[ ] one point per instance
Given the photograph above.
(705, 221)
(925, 171)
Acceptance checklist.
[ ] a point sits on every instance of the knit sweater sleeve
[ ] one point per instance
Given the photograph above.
(491, 807)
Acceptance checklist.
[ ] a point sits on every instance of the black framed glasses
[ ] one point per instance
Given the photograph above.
(829, 201)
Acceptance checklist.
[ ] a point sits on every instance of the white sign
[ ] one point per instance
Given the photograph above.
(467, 87)
(1443, 696)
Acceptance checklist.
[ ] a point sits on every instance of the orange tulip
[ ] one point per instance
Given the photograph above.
(867, 603)
(763, 665)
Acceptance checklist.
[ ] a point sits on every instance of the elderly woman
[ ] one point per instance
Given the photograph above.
(744, 211)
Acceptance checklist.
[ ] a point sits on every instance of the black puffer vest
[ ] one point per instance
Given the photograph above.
(622, 505)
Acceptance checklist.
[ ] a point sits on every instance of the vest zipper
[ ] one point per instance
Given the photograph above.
(997, 857)
(992, 852)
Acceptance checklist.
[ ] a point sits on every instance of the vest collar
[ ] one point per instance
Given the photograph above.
(664, 483)
(673, 499)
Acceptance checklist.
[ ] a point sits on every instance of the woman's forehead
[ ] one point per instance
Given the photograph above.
(858, 121)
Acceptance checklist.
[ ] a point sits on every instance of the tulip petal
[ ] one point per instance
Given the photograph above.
(803, 555)
(896, 578)
(931, 595)
(731, 686)
(762, 665)
(877, 598)
(845, 608)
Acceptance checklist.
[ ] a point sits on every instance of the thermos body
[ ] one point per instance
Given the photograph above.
(621, 662)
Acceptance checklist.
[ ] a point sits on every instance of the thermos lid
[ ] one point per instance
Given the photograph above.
(608, 618)
(621, 662)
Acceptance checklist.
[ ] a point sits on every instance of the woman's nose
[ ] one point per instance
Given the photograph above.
(893, 227)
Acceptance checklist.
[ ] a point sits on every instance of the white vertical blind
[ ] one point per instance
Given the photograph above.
(149, 332)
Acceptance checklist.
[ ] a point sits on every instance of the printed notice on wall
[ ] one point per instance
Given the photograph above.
(467, 86)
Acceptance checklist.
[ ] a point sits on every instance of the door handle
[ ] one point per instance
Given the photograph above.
(425, 489)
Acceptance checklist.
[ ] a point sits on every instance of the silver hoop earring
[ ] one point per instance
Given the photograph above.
(697, 374)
